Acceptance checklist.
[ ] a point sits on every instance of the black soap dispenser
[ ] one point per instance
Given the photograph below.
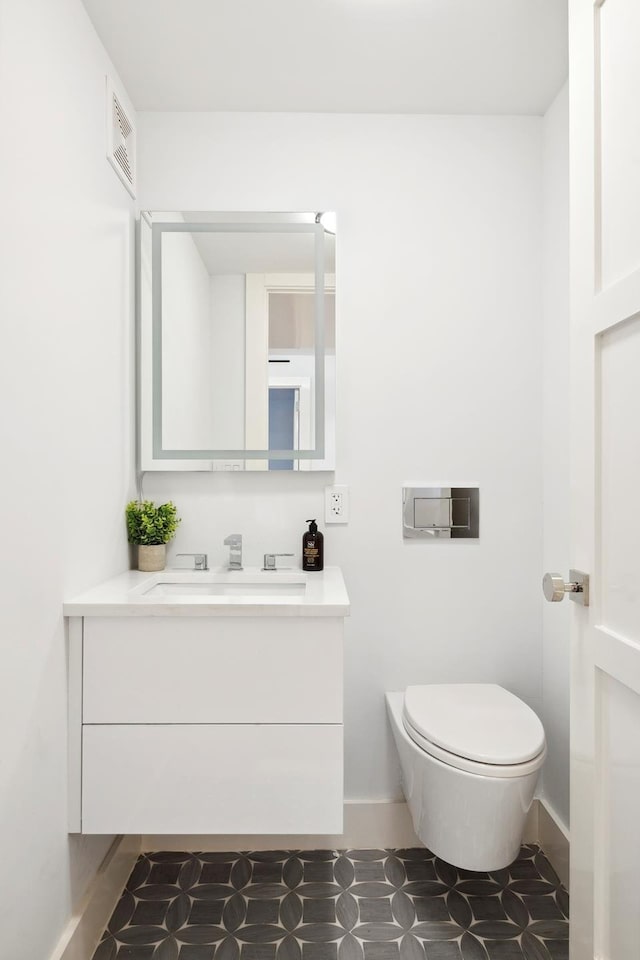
(312, 548)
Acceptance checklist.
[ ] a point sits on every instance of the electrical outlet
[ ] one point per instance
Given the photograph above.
(336, 504)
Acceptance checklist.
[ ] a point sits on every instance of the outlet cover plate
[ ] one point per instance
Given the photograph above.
(336, 504)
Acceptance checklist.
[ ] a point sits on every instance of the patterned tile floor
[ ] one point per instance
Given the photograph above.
(336, 905)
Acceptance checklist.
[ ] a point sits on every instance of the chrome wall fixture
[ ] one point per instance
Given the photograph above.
(440, 512)
(554, 587)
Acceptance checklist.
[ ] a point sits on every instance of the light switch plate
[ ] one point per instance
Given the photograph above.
(336, 504)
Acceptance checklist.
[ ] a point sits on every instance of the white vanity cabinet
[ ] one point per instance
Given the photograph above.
(197, 718)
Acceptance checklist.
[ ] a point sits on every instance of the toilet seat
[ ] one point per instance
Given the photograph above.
(478, 728)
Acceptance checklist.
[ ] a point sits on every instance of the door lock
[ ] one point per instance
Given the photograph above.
(554, 587)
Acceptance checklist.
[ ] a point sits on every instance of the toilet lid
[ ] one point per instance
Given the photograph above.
(479, 721)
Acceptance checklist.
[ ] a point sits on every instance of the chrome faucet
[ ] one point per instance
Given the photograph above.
(270, 560)
(200, 560)
(234, 542)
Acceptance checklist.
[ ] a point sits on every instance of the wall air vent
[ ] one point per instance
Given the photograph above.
(121, 138)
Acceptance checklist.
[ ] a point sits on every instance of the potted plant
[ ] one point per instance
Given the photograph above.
(151, 527)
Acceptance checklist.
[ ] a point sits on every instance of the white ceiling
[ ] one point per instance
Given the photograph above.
(344, 56)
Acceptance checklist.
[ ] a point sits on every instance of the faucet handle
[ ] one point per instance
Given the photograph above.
(234, 542)
(200, 560)
(270, 560)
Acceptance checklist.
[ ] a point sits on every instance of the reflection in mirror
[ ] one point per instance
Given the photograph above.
(243, 340)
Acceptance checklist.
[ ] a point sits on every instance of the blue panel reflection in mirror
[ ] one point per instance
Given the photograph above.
(284, 432)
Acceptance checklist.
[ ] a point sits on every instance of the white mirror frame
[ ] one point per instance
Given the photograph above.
(151, 454)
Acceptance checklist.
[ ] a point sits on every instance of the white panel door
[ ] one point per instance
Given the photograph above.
(605, 477)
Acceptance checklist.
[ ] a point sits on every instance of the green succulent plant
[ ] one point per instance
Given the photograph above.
(148, 524)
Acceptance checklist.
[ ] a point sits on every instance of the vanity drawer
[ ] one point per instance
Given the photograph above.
(238, 778)
(212, 670)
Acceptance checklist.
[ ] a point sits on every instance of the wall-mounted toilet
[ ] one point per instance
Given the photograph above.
(470, 755)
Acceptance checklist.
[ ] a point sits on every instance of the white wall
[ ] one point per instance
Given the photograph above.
(227, 321)
(555, 448)
(187, 415)
(439, 378)
(65, 435)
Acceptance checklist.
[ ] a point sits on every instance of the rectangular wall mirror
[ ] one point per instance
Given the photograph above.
(237, 341)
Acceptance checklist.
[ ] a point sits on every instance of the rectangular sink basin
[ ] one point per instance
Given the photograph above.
(230, 589)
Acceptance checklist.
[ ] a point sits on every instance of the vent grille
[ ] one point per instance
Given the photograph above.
(121, 139)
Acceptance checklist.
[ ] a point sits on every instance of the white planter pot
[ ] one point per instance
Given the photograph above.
(151, 558)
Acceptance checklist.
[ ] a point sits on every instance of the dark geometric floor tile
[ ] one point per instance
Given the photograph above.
(256, 891)
(206, 911)
(431, 908)
(261, 933)
(381, 951)
(350, 949)
(446, 872)
(420, 870)
(150, 911)
(141, 934)
(130, 952)
(267, 872)
(443, 950)
(215, 873)
(289, 949)
(394, 871)
(318, 911)
(319, 932)
(411, 948)
(196, 951)
(170, 856)
(263, 911)
(325, 905)
(549, 929)
(504, 950)
(367, 854)
(543, 908)
(157, 891)
(523, 870)
(429, 930)
(319, 951)
(344, 872)
(562, 899)
(412, 853)
(558, 949)
(318, 872)
(290, 911)
(373, 889)
(545, 870)
(375, 910)
(532, 948)
(487, 908)
(369, 871)
(471, 948)
(258, 951)
(164, 873)
(106, 950)
(292, 872)
(216, 857)
(269, 856)
(404, 912)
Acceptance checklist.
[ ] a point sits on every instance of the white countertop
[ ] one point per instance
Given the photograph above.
(320, 594)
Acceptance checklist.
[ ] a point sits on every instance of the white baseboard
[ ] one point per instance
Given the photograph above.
(82, 934)
(381, 824)
(553, 837)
